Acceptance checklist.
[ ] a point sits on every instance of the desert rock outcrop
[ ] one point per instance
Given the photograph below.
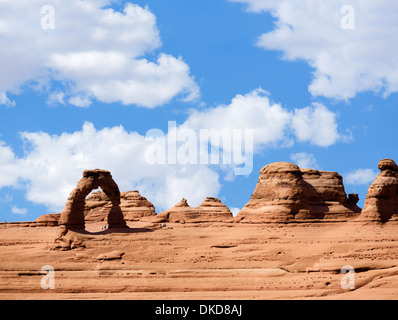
(285, 192)
(327, 196)
(133, 206)
(46, 220)
(66, 240)
(73, 214)
(210, 210)
(381, 203)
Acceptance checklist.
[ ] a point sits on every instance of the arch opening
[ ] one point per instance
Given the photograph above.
(73, 214)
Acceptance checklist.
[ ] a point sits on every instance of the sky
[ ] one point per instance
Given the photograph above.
(138, 87)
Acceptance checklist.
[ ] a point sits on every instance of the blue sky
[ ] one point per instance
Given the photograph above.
(82, 93)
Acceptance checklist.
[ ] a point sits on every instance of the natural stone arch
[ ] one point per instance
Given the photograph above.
(73, 214)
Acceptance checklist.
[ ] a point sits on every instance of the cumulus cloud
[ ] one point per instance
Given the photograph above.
(252, 111)
(315, 124)
(56, 98)
(52, 164)
(19, 211)
(346, 61)
(304, 160)
(9, 169)
(360, 177)
(92, 52)
(271, 123)
(6, 101)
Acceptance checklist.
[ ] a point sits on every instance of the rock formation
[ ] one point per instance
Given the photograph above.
(381, 203)
(285, 192)
(73, 214)
(327, 196)
(46, 220)
(210, 210)
(66, 240)
(133, 206)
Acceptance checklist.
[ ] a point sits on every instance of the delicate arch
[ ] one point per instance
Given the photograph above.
(73, 214)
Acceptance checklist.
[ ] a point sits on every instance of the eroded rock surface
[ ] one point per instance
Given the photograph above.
(73, 214)
(46, 220)
(381, 203)
(210, 210)
(285, 192)
(133, 206)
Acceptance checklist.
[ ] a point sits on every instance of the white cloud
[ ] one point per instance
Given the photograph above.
(5, 100)
(79, 101)
(271, 123)
(360, 177)
(52, 164)
(9, 169)
(304, 160)
(250, 111)
(234, 211)
(315, 124)
(19, 211)
(56, 98)
(93, 52)
(345, 61)
(6, 198)
(193, 182)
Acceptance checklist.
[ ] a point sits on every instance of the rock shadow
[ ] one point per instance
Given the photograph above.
(125, 230)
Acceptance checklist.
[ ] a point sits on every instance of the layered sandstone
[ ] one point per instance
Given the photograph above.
(381, 203)
(133, 206)
(210, 210)
(285, 193)
(327, 196)
(46, 220)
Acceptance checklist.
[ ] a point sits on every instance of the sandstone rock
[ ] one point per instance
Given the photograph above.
(66, 240)
(182, 203)
(81, 256)
(46, 220)
(215, 210)
(73, 214)
(133, 206)
(286, 193)
(116, 254)
(381, 203)
(210, 210)
(327, 196)
(280, 193)
(387, 164)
